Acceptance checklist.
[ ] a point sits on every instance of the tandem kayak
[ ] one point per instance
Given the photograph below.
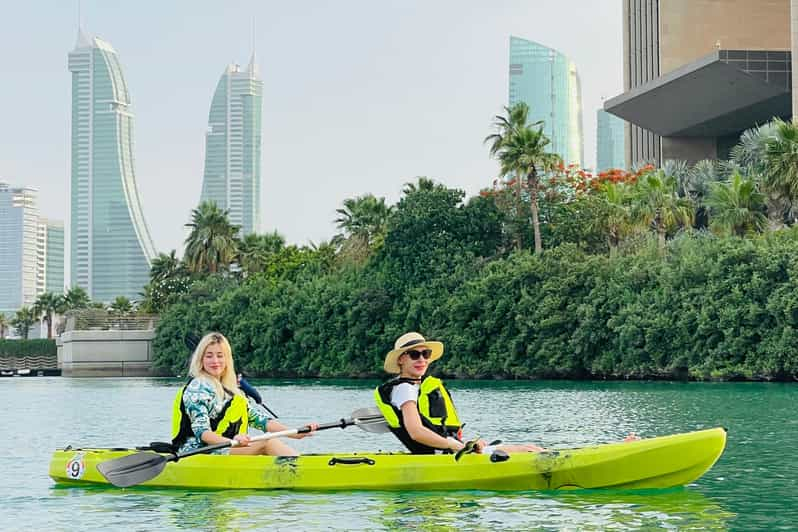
(661, 462)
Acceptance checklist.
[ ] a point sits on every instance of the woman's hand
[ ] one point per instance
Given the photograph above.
(242, 440)
(479, 445)
(312, 426)
(454, 444)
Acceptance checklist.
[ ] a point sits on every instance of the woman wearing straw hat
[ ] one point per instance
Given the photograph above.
(418, 408)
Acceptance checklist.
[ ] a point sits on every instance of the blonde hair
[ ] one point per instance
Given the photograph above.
(228, 379)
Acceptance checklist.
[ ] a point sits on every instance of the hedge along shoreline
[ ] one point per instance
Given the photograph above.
(21, 348)
(711, 309)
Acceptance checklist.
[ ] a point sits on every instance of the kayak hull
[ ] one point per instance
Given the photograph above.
(662, 462)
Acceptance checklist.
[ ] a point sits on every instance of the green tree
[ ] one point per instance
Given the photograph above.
(23, 320)
(3, 326)
(255, 251)
(781, 169)
(211, 245)
(121, 305)
(47, 305)
(76, 298)
(658, 206)
(422, 183)
(617, 213)
(362, 221)
(522, 152)
(736, 207)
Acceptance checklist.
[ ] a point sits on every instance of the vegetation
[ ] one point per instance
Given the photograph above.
(653, 273)
(21, 348)
(23, 320)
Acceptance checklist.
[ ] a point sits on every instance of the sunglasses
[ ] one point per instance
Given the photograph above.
(415, 354)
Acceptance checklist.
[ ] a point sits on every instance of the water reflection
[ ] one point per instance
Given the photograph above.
(249, 510)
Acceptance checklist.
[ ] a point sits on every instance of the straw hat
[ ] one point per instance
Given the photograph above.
(408, 341)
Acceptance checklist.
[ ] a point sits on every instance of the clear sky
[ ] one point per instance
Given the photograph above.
(359, 95)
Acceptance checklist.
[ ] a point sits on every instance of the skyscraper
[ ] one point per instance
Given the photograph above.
(51, 257)
(610, 135)
(110, 242)
(548, 82)
(233, 146)
(19, 217)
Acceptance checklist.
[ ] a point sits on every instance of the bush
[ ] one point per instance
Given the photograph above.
(21, 348)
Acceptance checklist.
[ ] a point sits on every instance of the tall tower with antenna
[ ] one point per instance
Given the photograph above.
(232, 175)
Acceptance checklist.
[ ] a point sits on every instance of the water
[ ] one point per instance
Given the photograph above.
(753, 486)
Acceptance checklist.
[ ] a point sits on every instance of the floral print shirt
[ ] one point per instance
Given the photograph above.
(202, 404)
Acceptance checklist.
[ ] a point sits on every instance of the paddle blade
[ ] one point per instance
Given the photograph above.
(132, 469)
(370, 420)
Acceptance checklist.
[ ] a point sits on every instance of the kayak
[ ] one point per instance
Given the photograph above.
(662, 462)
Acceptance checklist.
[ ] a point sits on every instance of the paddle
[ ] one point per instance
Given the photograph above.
(140, 467)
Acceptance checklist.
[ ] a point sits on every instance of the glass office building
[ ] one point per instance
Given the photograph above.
(610, 136)
(19, 218)
(110, 242)
(548, 82)
(233, 146)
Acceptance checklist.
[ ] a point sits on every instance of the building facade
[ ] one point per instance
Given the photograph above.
(548, 82)
(232, 176)
(610, 141)
(19, 216)
(692, 88)
(51, 244)
(110, 242)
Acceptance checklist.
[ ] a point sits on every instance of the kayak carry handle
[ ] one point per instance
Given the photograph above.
(351, 461)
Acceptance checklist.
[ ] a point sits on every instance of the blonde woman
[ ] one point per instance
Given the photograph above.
(211, 409)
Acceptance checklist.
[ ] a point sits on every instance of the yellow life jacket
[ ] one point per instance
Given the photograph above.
(435, 407)
(233, 419)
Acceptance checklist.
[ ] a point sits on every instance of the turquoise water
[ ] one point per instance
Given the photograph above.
(753, 486)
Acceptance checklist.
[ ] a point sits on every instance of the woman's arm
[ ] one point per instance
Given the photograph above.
(422, 434)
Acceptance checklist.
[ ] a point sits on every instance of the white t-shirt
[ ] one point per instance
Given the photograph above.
(403, 393)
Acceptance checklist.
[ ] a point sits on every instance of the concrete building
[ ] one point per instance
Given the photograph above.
(110, 242)
(697, 73)
(19, 217)
(548, 82)
(610, 141)
(232, 177)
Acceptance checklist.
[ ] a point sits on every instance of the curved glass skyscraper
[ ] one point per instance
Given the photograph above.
(233, 146)
(110, 242)
(547, 81)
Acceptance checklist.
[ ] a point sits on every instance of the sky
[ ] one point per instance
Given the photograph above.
(360, 96)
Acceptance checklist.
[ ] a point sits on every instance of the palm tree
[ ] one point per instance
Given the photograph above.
(3, 326)
(23, 320)
(525, 155)
(736, 207)
(750, 152)
(47, 305)
(255, 251)
(618, 214)
(658, 206)
(164, 266)
(211, 245)
(76, 298)
(121, 305)
(423, 184)
(781, 168)
(363, 221)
